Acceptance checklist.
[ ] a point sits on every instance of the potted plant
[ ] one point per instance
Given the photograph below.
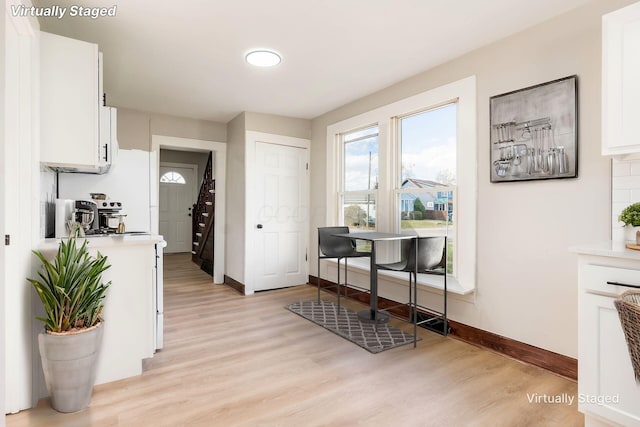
(630, 216)
(72, 293)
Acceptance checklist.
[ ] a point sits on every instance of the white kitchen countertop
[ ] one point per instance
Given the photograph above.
(614, 249)
(108, 241)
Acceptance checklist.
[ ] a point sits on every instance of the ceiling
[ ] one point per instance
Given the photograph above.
(186, 58)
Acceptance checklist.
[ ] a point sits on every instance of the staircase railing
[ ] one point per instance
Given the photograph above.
(202, 212)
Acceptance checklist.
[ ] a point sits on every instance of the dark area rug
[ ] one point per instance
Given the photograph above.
(345, 323)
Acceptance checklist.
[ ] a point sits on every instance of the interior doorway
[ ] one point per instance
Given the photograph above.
(178, 182)
(188, 146)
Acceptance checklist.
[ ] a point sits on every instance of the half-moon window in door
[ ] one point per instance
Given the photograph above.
(172, 177)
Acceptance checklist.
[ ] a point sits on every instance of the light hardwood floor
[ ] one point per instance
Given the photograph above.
(231, 360)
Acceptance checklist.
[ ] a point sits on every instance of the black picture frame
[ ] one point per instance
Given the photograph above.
(534, 132)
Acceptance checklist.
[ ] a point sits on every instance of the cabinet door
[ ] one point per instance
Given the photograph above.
(604, 366)
(106, 137)
(69, 99)
(620, 80)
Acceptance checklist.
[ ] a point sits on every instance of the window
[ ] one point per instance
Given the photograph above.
(359, 178)
(427, 182)
(410, 167)
(172, 177)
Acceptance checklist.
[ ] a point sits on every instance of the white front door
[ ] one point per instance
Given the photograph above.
(281, 216)
(176, 200)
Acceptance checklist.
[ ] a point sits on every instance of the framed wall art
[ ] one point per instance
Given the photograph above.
(534, 132)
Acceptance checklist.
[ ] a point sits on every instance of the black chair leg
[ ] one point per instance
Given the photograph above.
(346, 281)
(318, 277)
(338, 285)
(415, 309)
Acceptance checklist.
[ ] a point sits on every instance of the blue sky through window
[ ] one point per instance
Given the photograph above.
(361, 160)
(428, 150)
(429, 145)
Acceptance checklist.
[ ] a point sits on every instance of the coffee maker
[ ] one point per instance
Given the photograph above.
(71, 213)
(110, 215)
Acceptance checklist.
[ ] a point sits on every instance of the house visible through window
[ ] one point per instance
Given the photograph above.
(172, 177)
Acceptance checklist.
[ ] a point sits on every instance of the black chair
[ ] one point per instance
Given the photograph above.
(430, 257)
(330, 246)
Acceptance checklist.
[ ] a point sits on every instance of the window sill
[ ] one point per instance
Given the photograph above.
(424, 280)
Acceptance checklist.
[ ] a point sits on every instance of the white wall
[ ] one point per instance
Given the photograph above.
(235, 225)
(127, 181)
(526, 277)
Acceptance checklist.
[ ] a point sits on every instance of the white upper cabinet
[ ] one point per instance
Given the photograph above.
(108, 138)
(621, 81)
(72, 114)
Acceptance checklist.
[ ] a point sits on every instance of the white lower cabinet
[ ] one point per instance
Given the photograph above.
(607, 391)
(129, 307)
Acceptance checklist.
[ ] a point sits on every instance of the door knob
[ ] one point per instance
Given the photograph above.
(259, 226)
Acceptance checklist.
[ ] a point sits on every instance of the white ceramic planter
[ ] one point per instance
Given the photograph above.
(69, 363)
(630, 233)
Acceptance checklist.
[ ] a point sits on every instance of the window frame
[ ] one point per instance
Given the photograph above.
(463, 92)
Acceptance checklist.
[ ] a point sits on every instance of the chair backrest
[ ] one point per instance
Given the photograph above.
(431, 253)
(332, 246)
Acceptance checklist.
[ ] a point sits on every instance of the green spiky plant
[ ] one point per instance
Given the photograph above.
(71, 288)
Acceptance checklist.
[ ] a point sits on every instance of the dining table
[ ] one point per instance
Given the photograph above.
(372, 315)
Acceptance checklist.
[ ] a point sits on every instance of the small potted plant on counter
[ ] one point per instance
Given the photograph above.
(72, 294)
(630, 216)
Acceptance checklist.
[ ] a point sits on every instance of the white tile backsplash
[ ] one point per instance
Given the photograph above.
(634, 167)
(621, 168)
(631, 182)
(625, 190)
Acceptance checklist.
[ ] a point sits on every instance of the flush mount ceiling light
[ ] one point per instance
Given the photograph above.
(263, 58)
